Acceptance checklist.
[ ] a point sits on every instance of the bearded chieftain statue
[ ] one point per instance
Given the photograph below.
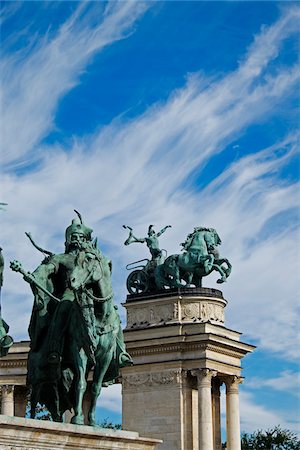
(74, 326)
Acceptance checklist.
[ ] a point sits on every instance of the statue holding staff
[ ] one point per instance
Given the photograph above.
(74, 326)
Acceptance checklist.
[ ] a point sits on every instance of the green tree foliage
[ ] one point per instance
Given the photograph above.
(106, 423)
(272, 439)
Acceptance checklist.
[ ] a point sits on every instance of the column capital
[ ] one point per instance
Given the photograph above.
(204, 376)
(217, 383)
(7, 389)
(232, 383)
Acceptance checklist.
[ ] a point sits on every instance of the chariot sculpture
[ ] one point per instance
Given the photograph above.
(199, 258)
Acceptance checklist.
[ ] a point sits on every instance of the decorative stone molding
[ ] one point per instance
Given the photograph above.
(176, 309)
(232, 383)
(157, 379)
(6, 389)
(204, 376)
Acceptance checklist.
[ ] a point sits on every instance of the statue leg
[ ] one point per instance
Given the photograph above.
(222, 273)
(80, 386)
(100, 369)
(33, 401)
(57, 331)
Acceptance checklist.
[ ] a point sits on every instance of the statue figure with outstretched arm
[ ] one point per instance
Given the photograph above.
(151, 240)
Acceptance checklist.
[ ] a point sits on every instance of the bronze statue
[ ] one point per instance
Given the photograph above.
(141, 281)
(74, 326)
(151, 241)
(200, 257)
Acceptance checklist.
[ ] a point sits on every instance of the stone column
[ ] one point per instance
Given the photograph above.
(7, 402)
(216, 406)
(20, 400)
(233, 412)
(204, 377)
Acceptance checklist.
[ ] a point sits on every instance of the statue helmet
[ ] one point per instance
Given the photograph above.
(77, 226)
(150, 228)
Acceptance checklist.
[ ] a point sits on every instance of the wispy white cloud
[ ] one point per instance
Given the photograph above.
(111, 398)
(287, 381)
(132, 172)
(138, 172)
(256, 416)
(33, 81)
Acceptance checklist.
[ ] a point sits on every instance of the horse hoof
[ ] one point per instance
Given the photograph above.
(77, 420)
(92, 420)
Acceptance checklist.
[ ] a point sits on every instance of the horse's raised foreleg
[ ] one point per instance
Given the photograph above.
(208, 263)
(222, 273)
(80, 387)
(99, 372)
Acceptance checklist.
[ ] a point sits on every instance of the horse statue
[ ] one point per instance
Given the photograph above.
(91, 281)
(199, 259)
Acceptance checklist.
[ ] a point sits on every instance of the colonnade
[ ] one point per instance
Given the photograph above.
(209, 383)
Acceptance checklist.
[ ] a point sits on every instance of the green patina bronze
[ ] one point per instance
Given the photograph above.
(74, 328)
(200, 257)
(6, 341)
(144, 280)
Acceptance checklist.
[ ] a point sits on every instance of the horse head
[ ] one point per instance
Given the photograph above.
(87, 270)
(212, 239)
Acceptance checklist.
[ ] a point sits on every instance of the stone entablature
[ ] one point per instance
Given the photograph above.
(175, 306)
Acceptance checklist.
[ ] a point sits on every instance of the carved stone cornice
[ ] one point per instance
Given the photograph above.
(13, 363)
(180, 347)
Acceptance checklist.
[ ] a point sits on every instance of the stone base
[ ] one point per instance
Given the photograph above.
(28, 434)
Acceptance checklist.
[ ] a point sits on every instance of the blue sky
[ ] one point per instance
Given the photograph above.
(162, 112)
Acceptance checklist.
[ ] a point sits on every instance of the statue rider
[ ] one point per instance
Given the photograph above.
(151, 241)
(54, 274)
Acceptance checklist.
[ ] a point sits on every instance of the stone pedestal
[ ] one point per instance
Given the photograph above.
(182, 353)
(29, 434)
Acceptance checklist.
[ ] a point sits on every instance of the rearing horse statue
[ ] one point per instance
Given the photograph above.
(200, 258)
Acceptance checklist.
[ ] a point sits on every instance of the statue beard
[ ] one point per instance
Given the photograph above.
(75, 247)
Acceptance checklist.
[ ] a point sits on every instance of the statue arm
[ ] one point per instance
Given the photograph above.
(163, 230)
(43, 272)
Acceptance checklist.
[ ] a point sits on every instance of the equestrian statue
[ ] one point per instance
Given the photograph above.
(74, 328)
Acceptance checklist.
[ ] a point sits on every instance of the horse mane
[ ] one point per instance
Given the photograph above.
(211, 230)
